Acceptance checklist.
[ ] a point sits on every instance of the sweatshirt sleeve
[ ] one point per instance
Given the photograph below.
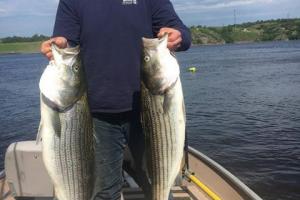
(67, 23)
(164, 15)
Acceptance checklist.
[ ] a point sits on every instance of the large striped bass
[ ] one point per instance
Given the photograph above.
(66, 126)
(163, 116)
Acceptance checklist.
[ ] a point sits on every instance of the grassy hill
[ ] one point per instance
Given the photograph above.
(17, 44)
(281, 29)
(20, 47)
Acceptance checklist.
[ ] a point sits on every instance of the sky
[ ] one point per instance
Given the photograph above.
(28, 17)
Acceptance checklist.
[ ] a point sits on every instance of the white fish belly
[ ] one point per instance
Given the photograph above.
(68, 153)
(164, 126)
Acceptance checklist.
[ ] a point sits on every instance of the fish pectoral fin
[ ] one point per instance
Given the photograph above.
(56, 124)
(39, 134)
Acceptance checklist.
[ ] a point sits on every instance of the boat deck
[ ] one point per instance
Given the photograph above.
(189, 192)
(5, 193)
(179, 193)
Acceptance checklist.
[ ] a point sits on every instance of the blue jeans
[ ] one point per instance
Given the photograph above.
(113, 132)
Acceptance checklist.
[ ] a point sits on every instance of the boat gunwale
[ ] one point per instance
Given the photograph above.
(233, 181)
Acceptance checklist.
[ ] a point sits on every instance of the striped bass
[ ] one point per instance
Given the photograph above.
(163, 116)
(66, 127)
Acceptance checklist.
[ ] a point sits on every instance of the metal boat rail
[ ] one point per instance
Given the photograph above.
(243, 189)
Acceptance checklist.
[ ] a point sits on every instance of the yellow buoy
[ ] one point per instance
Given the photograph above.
(192, 69)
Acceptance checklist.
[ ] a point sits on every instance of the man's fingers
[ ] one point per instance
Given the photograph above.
(45, 47)
(174, 44)
(61, 42)
(172, 33)
(162, 32)
(174, 36)
(49, 55)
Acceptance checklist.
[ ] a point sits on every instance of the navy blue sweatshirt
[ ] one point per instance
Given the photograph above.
(109, 33)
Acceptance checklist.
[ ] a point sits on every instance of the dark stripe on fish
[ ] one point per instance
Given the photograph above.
(74, 152)
(161, 132)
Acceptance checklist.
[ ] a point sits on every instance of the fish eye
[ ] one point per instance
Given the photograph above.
(147, 58)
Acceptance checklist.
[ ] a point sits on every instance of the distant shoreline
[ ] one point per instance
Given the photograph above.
(34, 47)
(17, 53)
(245, 33)
(240, 42)
(20, 47)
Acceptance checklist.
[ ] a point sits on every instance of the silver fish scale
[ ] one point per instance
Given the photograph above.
(163, 145)
(73, 148)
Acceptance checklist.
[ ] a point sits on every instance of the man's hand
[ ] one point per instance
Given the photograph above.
(61, 42)
(174, 37)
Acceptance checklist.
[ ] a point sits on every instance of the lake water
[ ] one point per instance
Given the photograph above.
(242, 104)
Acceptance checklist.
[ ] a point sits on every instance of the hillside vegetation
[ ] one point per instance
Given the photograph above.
(281, 29)
(17, 44)
(20, 47)
(34, 38)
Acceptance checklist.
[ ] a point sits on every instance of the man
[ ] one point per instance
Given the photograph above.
(109, 33)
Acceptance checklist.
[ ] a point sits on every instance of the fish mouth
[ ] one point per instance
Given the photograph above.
(66, 56)
(70, 51)
(54, 106)
(150, 42)
(154, 42)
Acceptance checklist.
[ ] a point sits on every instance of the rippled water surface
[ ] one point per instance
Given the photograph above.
(242, 104)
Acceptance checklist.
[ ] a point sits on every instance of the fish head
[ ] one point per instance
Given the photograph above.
(62, 82)
(160, 68)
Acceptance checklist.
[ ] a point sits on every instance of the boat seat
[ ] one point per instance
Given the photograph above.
(26, 174)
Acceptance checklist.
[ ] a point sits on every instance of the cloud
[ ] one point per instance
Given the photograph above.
(221, 12)
(196, 5)
(13, 8)
(25, 17)
(2, 11)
